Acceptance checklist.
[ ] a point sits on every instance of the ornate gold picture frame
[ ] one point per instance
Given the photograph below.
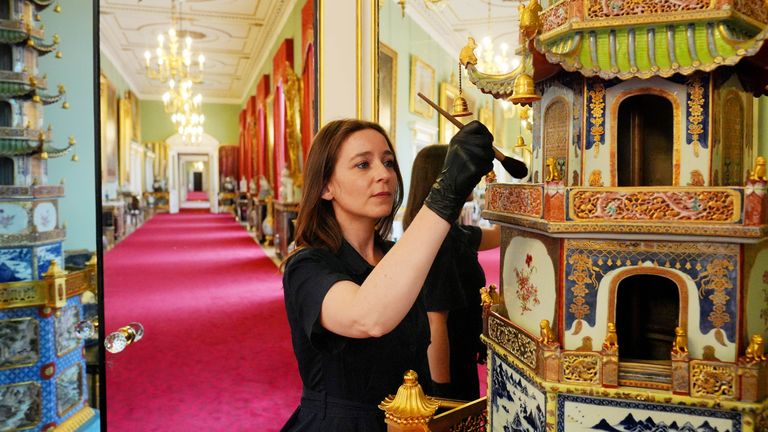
(388, 90)
(422, 81)
(109, 138)
(446, 130)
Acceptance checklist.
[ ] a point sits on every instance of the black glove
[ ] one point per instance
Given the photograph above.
(469, 158)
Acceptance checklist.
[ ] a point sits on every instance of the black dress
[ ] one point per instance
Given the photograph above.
(345, 379)
(453, 284)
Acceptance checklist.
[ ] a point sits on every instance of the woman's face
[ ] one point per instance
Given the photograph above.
(364, 182)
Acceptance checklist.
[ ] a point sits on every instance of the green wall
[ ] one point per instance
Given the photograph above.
(221, 121)
(75, 71)
(292, 30)
(113, 75)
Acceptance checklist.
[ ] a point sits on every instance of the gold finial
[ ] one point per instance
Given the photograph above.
(489, 296)
(758, 173)
(530, 24)
(490, 177)
(32, 81)
(54, 270)
(56, 38)
(402, 7)
(30, 42)
(61, 88)
(57, 8)
(71, 140)
(37, 17)
(65, 105)
(410, 406)
(467, 54)
(74, 157)
(36, 98)
(43, 155)
(58, 54)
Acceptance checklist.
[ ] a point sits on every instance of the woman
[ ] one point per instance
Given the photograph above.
(452, 289)
(356, 325)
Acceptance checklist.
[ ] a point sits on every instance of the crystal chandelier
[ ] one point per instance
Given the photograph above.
(173, 65)
(488, 60)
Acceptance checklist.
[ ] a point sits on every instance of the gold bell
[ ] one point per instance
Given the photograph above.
(75, 158)
(524, 90)
(460, 107)
(65, 105)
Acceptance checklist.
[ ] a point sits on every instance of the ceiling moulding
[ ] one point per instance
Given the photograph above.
(280, 12)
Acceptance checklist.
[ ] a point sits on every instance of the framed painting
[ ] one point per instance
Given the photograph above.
(422, 81)
(445, 129)
(109, 138)
(388, 90)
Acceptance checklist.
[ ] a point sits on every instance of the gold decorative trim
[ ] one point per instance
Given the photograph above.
(655, 205)
(580, 367)
(41, 293)
(695, 109)
(514, 340)
(713, 380)
(26, 192)
(33, 238)
(78, 419)
(626, 393)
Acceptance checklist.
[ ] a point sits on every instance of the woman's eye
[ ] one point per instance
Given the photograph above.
(362, 165)
(389, 163)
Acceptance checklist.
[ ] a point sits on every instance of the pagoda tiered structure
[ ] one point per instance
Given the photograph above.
(42, 366)
(634, 260)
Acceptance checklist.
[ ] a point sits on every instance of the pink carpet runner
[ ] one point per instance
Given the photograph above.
(197, 196)
(216, 355)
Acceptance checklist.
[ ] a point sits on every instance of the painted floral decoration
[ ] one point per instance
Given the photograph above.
(527, 292)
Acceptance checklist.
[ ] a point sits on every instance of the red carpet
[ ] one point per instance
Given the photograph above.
(197, 196)
(217, 352)
(490, 261)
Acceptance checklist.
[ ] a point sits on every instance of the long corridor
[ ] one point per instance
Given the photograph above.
(216, 354)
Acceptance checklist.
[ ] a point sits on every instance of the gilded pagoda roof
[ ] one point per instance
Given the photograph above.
(640, 39)
(17, 32)
(27, 142)
(643, 38)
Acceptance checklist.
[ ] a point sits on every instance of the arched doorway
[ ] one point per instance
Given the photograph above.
(645, 141)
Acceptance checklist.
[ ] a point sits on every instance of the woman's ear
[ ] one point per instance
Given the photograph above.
(327, 194)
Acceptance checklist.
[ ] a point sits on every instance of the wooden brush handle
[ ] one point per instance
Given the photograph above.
(456, 122)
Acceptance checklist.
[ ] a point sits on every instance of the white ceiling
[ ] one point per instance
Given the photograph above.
(235, 32)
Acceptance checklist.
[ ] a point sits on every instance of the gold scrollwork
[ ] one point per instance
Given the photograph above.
(696, 110)
(583, 274)
(583, 368)
(715, 278)
(708, 379)
(597, 9)
(657, 205)
(597, 107)
(513, 340)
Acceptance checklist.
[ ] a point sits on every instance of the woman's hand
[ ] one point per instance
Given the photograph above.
(469, 158)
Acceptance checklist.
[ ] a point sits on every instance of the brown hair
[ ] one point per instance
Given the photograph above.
(316, 224)
(426, 167)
